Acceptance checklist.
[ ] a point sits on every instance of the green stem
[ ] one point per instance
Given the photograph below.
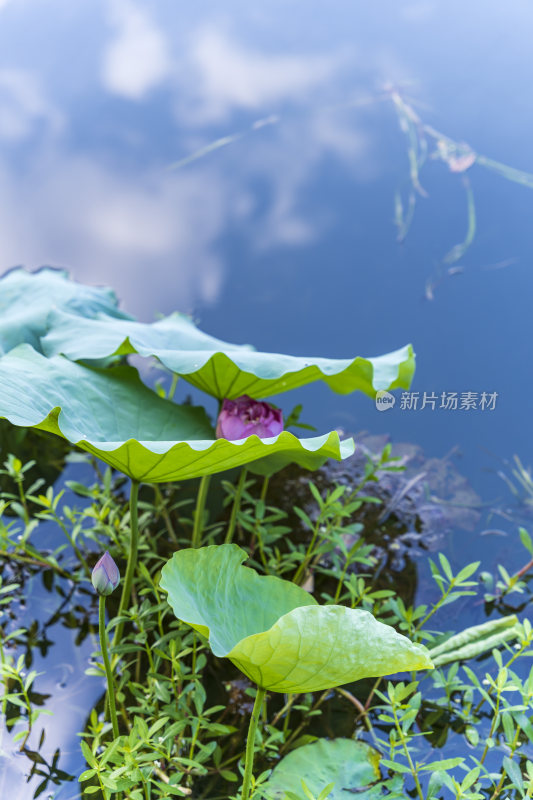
(264, 488)
(37, 562)
(199, 513)
(164, 513)
(4, 680)
(107, 665)
(407, 753)
(250, 742)
(73, 544)
(132, 561)
(285, 709)
(494, 722)
(436, 607)
(514, 746)
(295, 733)
(308, 556)
(236, 506)
(344, 571)
(516, 655)
(173, 385)
(22, 497)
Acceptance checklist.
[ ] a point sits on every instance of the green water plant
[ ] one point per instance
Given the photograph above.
(276, 633)
(182, 711)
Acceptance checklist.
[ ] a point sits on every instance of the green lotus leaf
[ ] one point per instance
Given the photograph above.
(26, 300)
(352, 766)
(219, 368)
(274, 631)
(112, 414)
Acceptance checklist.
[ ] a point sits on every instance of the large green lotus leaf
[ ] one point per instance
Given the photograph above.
(111, 413)
(219, 368)
(276, 633)
(210, 590)
(352, 766)
(27, 299)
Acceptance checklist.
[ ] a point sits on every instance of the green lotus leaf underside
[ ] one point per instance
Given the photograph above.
(112, 414)
(274, 631)
(352, 766)
(221, 369)
(28, 298)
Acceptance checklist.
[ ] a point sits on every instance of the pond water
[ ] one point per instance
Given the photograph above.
(240, 162)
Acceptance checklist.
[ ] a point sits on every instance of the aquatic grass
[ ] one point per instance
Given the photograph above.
(181, 703)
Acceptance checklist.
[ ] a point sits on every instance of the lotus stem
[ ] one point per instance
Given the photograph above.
(107, 665)
(164, 513)
(264, 488)
(236, 506)
(308, 556)
(199, 513)
(132, 561)
(250, 742)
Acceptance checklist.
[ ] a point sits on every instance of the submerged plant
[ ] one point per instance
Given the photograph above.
(276, 633)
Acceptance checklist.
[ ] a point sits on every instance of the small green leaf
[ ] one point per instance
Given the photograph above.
(229, 776)
(513, 770)
(525, 538)
(396, 766)
(472, 735)
(446, 568)
(467, 571)
(445, 763)
(88, 754)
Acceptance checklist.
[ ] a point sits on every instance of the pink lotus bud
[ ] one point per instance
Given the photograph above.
(105, 575)
(245, 416)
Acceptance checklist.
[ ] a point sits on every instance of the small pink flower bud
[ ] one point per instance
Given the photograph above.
(105, 575)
